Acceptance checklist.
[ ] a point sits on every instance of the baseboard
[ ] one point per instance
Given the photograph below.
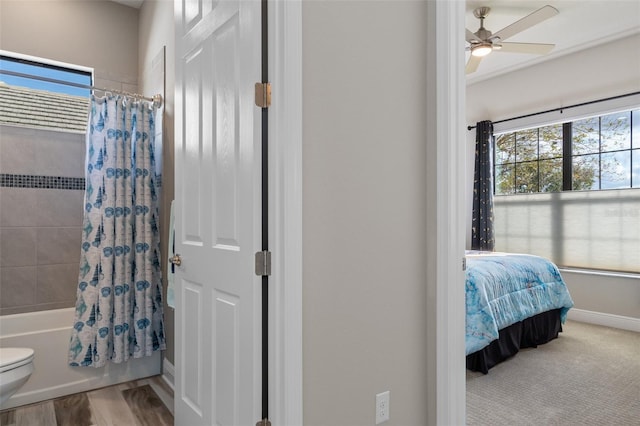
(168, 373)
(608, 320)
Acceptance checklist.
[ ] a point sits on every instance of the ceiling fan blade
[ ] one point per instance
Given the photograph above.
(527, 22)
(471, 37)
(472, 64)
(533, 48)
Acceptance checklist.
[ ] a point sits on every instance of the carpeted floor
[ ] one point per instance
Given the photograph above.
(590, 375)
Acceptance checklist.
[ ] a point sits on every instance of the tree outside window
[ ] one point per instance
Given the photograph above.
(597, 153)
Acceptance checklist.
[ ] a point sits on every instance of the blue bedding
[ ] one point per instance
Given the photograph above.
(504, 288)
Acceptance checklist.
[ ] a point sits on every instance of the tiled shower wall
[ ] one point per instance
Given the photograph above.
(41, 197)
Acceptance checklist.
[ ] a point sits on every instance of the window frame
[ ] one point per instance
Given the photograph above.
(52, 65)
(567, 156)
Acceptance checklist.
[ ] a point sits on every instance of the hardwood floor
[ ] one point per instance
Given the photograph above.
(146, 402)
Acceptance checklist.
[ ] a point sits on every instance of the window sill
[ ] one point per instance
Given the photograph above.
(612, 274)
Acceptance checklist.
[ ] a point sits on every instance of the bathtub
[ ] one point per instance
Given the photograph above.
(48, 333)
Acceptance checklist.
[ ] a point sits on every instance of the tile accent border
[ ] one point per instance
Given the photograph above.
(8, 180)
(46, 182)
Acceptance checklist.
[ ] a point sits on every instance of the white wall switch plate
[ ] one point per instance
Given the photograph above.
(382, 407)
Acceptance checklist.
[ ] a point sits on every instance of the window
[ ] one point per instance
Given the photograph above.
(571, 192)
(39, 102)
(48, 70)
(588, 154)
(529, 161)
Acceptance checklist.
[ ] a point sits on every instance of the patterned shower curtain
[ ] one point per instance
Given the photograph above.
(119, 296)
(482, 217)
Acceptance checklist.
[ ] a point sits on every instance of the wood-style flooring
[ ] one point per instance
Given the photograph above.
(146, 402)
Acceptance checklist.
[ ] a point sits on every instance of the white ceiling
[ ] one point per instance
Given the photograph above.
(579, 24)
(131, 3)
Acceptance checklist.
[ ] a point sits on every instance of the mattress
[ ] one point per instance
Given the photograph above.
(505, 288)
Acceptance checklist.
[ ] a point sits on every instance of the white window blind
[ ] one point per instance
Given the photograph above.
(578, 229)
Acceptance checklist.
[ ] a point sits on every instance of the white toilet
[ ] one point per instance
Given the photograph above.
(16, 365)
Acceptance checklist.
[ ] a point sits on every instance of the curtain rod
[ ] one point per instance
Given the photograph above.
(156, 99)
(561, 108)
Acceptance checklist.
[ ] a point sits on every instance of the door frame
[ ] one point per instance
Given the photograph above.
(446, 395)
(285, 211)
(446, 214)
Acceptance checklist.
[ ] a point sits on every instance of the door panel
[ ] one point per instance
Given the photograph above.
(190, 380)
(226, 349)
(192, 148)
(226, 155)
(217, 213)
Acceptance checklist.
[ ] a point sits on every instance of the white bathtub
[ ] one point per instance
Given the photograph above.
(48, 333)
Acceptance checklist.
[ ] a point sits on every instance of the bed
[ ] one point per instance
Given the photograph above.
(513, 301)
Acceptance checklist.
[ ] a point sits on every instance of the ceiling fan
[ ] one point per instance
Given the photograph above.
(483, 41)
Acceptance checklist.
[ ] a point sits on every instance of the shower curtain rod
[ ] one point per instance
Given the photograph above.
(561, 108)
(156, 99)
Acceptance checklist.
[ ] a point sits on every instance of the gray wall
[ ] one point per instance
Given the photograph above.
(97, 33)
(364, 208)
(40, 228)
(609, 294)
(605, 71)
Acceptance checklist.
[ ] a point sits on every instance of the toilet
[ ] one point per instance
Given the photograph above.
(16, 365)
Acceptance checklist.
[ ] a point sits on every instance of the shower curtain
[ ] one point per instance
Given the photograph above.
(119, 296)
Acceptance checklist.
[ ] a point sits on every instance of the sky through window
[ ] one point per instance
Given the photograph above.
(43, 70)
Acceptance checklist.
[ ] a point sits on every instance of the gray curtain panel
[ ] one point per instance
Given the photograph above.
(482, 219)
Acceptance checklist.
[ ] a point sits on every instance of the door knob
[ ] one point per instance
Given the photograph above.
(176, 260)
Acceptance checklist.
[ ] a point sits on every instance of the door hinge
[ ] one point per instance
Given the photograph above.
(263, 263)
(264, 422)
(263, 95)
(464, 263)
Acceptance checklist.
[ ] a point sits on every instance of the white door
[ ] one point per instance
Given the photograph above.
(217, 187)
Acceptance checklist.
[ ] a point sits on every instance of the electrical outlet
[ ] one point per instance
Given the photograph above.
(382, 407)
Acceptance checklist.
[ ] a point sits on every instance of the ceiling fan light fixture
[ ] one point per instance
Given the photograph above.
(481, 49)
